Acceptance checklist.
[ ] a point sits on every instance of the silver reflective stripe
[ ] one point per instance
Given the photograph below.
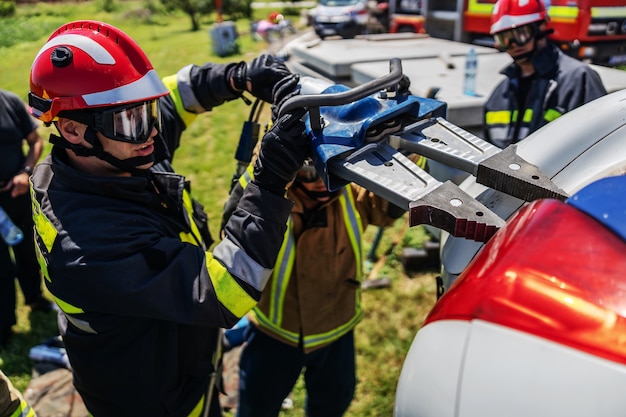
(352, 212)
(150, 85)
(80, 324)
(92, 48)
(239, 264)
(524, 131)
(24, 410)
(190, 103)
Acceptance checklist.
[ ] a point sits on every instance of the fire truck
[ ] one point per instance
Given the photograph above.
(591, 30)
(396, 16)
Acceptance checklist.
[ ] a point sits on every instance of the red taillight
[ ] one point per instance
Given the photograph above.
(553, 272)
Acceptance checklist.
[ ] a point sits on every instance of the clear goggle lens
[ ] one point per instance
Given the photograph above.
(131, 124)
(520, 36)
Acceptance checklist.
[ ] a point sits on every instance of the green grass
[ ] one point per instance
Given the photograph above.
(392, 315)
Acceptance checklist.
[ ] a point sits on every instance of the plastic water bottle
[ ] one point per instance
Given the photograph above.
(471, 67)
(11, 234)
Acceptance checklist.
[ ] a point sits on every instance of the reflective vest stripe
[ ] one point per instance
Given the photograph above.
(171, 82)
(552, 114)
(44, 227)
(263, 321)
(421, 161)
(355, 231)
(320, 339)
(227, 290)
(24, 410)
(528, 116)
(192, 237)
(505, 117)
(502, 117)
(282, 274)
(198, 409)
(246, 177)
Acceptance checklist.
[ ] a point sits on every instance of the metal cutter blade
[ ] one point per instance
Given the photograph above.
(391, 175)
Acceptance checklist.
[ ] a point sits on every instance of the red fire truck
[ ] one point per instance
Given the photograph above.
(396, 16)
(592, 30)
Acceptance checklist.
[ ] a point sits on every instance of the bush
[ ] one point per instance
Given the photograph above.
(108, 6)
(7, 8)
(237, 9)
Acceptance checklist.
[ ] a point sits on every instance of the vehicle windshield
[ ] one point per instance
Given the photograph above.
(338, 3)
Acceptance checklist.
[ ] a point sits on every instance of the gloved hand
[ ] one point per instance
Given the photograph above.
(283, 151)
(259, 76)
(284, 90)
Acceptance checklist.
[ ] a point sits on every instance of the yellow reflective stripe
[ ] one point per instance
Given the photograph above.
(528, 116)
(44, 227)
(605, 12)
(246, 177)
(24, 410)
(320, 339)
(171, 83)
(192, 237)
(354, 226)
(45, 230)
(283, 270)
(421, 161)
(563, 12)
(282, 274)
(552, 114)
(227, 290)
(502, 117)
(43, 265)
(264, 321)
(67, 307)
(477, 7)
(198, 409)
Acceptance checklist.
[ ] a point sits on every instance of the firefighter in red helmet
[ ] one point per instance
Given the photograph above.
(541, 84)
(123, 246)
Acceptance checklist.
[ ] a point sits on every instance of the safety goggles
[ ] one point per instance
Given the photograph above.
(129, 123)
(519, 35)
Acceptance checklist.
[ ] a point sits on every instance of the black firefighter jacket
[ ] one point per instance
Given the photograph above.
(561, 84)
(126, 261)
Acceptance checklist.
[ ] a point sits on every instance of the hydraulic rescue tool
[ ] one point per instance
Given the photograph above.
(363, 135)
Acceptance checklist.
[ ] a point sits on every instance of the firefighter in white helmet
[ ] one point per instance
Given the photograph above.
(541, 84)
(122, 245)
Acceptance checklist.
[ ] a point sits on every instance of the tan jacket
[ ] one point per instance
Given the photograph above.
(12, 403)
(318, 300)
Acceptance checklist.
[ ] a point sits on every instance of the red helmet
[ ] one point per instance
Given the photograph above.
(509, 14)
(89, 64)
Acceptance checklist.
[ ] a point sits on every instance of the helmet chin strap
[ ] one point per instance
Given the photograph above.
(126, 165)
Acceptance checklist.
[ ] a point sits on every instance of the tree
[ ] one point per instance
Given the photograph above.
(193, 8)
(196, 8)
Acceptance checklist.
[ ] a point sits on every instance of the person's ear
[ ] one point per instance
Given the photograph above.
(71, 130)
